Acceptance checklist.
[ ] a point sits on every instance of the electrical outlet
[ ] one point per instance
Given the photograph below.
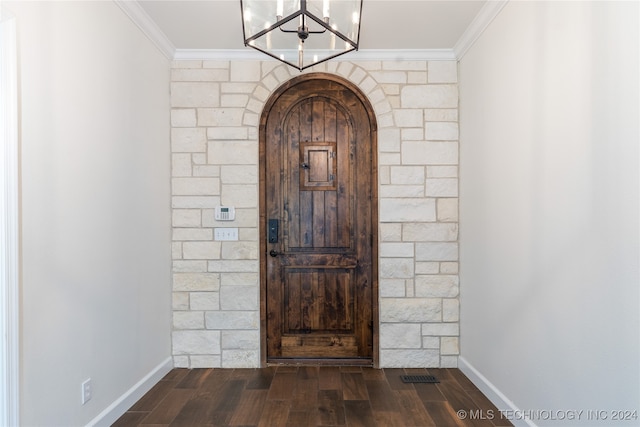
(86, 391)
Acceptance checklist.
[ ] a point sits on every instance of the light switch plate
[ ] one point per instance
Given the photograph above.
(225, 233)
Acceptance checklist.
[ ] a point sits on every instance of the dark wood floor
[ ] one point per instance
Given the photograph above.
(312, 396)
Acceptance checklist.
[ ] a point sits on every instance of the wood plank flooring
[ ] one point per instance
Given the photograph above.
(301, 396)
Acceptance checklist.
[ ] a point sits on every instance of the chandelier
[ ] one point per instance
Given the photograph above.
(301, 33)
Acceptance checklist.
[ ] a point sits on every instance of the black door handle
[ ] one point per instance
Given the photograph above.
(274, 253)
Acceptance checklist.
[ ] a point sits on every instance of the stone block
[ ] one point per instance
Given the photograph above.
(417, 77)
(181, 362)
(436, 286)
(394, 268)
(188, 320)
(449, 267)
(399, 77)
(233, 153)
(442, 171)
(408, 118)
(390, 89)
(232, 320)
(409, 358)
(201, 250)
(228, 133)
(391, 288)
(405, 65)
(209, 171)
(368, 84)
(195, 94)
(185, 63)
(389, 140)
(240, 279)
(186, 234)
(240, 340)
(441, 131)
(429, 153)
(449, 346)
(441, 187)
(233, 266)
(430, 232)
(357, 75)
(240, 196)
(403, 175)
(440, 329)
(441, 115)
(215, 64)
(431, 342)
(180, 301)
(183, 117)
(400, 335)
(199, 75)
(240, 359)
(239, 250)
(396, 250)
(205, 361)
(239, 298)
(176, 250)
(220, 116)
(429, 96)
(448, 361)
(189, 266)
(180, 164)
(384, 175)
(427, 267)
(437, 251)
(447, 209)
(233, 87)
(195, 202)
(186, 218)
(190, 282)
(188, 140)
(195, 186)
(390, 232)
(234, 100)
(239, 174)
(411, 191)
(407, 210)
(245, 71)
(206, 301)
(398, 310)
(443, 71)
(412, 134)
(450, 310)
(196, 342)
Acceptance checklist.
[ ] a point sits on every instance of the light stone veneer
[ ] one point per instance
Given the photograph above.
(216, 106)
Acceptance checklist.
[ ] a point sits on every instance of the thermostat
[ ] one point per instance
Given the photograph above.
(225, 213)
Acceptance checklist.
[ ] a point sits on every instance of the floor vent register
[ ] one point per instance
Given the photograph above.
(422, 379)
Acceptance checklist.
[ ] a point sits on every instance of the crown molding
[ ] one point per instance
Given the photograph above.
(148, 26)
(487, 14)
(360, 55)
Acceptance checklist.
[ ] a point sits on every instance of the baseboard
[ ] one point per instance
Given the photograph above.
(502, 402)
(131, 396)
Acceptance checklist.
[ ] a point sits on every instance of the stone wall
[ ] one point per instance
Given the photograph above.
(216, 107)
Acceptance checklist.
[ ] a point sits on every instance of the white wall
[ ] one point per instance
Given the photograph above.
(95, 301)
(549, 207)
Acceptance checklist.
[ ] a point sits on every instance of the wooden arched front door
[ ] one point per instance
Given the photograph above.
(318, 222)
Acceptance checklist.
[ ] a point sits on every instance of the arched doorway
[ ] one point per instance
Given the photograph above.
(318, 224)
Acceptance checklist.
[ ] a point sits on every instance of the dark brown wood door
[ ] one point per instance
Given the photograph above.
(319, 205)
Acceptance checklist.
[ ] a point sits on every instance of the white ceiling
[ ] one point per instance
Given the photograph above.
(386, 24)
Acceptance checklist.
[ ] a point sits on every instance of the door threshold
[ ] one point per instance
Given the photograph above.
(284, 361)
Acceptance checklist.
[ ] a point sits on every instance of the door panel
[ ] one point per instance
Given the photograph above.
(318, 183)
